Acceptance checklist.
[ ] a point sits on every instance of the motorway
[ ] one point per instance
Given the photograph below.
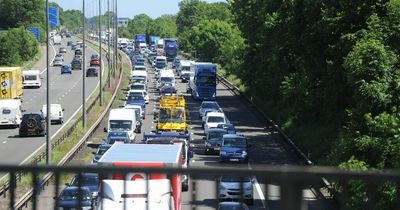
(64, 89)
(267, 148)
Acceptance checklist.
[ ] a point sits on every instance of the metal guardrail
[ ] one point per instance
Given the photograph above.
(28, 195)
(291, 181)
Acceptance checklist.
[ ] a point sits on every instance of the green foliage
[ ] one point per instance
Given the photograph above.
(139, 24)
(163, 26)
(17, 45)
(71, 19)
(18, 13)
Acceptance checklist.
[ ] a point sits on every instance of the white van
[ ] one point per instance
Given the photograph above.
(142, 74)
(122, 120)
(136, 195)
(184, 65)
(56, 113)
(166, 77)
(10, 112)
(31, 78)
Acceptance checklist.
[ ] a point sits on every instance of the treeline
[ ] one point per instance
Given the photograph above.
(16, 44)
(164, 26)
(326, 71)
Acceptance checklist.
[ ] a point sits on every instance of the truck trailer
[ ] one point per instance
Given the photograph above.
(146, 156)
(11, 82)
(203, 84)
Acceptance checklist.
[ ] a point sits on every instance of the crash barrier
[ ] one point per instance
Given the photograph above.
(276, 187)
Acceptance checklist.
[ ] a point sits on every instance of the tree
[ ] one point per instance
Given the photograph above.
(139, 24)
(164, 26)
(71, 19)
(18, 13)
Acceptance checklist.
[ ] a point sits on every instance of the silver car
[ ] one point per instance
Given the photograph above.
(229, 188)
(57, 62)
(208, 105)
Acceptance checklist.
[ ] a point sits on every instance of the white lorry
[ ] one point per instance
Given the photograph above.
(122, 120)
(136, 195)
(57, 40)
(31, 78)
(10, 112)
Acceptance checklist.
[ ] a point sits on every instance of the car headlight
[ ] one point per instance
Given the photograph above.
(95, 194)
(244, 154)
(222, 153)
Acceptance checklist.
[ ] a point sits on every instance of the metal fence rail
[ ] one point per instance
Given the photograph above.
(291, 180)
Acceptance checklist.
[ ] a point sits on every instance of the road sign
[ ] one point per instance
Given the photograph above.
(35, 31)
(54, 17)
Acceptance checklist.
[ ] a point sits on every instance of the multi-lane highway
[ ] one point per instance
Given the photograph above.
(266, 149)
(65, 89)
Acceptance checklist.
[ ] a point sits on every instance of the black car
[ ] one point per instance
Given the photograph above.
(213, 140)
(78, 52)
(89, 180)
(100, 152)
(33, 124)
(92, 72)
(69, 43)
(73, 197)
(76, 64)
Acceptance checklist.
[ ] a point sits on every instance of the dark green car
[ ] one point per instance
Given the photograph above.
(33, 124)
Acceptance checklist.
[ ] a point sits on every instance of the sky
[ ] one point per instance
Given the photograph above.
(128, 8)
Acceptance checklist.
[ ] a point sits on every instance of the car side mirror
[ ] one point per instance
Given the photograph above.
(105, 130)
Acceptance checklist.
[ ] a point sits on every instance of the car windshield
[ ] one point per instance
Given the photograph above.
(160, 65)
(120, 125)
(216, 134)
(140, 69)
(206, 81)
(102, 150)
(135, 96)
(215, 119)
(185, 68)
(112, 140)
(137, 87)
(73, 194)
(89, 180)
(30, 77)
(235, 179)
(167, 79)
(172, 115)
(234, 142)
(211, 105)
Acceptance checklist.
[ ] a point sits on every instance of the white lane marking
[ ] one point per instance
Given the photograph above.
(259, 190)
(4, 142)
(54, 50)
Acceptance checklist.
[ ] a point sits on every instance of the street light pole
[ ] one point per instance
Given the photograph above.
(48, 143)
(116, 36)
(108, 37)
(83, 69)
(101, 58)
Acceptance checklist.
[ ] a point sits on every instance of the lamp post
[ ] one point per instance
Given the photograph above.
(101, 58)
(83, 69)
(48, 143)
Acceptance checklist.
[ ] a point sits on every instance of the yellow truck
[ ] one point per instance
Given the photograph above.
(10, 82)
(172, 114)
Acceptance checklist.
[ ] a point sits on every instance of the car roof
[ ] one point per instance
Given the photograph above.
(215, 114)
(233, 136)
(216, 130)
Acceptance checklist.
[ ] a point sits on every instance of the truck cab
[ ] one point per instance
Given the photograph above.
(234, 148)
(122, 120)
(202, 85)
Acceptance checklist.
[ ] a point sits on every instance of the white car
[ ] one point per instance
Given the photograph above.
(137, 86)
(56, 113)
(229, 188)
(213, 119)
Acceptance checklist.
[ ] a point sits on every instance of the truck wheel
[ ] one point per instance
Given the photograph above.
(249, 201)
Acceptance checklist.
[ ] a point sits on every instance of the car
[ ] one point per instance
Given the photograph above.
(73, 197)
(232, 205)
(95, 61)
(100, 151)
(213, 119)
(142, 93)
(65, 69)
(57, 62)
(92, 72)
(136, 100)
(186, 75)
(59, 56)
(69, 43)
(78, 52)
(167, 90)
(117, 137)
(32, 124)
(229, 188)
(230, 128)
(139, 68)
(213, 141)
(208, 105)
(74, 46)
(175, 62)
(56, 113)
(141, 80)
(234, 148)
(62, 50)
(137, 86)
(89, 180)
(76, 64)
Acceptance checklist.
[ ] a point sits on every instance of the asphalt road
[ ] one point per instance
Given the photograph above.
(267, 148)
(65, 89)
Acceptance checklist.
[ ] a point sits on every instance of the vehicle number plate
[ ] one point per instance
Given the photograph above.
(234, 159)
(31, 130)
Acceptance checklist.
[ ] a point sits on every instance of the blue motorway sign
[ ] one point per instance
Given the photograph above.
(54, 20)
(35, 31)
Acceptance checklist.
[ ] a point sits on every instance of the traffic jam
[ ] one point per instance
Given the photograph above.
(159, 76)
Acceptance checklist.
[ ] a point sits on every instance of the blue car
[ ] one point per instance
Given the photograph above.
(136, 100)
(66, 69)
(230, 128)
(234, 149)
(73, 197)
(89, 180)
(100, 152)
